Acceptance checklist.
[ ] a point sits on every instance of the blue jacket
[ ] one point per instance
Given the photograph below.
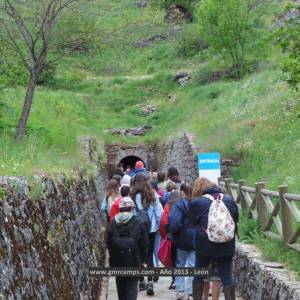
(198, 213)
(136, 171)
(178, 215)
(180, 227)
(154, 211)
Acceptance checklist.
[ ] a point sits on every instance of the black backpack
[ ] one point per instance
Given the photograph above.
(124, 245)
(143, 216)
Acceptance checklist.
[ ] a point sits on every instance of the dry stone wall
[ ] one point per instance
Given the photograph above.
(181, 153)
(257, 279)
(47, 244)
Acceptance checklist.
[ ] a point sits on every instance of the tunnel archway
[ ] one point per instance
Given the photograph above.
(130, 160)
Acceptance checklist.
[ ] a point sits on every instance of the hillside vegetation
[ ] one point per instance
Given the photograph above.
(255, 119)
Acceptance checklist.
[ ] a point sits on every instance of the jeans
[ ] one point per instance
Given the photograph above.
(156, 247)
(224, 266)
(184, 258)
(127, 288)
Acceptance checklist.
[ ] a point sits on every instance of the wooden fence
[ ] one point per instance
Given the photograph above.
(277, 212)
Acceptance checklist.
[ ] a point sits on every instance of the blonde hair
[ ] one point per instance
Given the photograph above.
(200, 186)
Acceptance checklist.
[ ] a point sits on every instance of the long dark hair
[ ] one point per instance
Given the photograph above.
(142, 186)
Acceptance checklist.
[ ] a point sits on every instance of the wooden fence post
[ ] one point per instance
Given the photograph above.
(262, 211)
(241, 196)
(286, 217)
(219, 180)
(228, 181)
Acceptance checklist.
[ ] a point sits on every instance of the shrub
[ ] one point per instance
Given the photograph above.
(234, 29)
(12, 71)
(189, 42)
(288, 35)
(164, 4)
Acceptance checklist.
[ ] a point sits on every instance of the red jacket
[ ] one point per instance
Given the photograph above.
(115, 209)
(164, 221)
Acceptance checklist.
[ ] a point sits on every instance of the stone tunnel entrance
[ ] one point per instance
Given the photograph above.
(129, 161)
(128, 155)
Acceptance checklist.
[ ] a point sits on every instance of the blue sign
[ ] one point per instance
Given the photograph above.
(209, 165)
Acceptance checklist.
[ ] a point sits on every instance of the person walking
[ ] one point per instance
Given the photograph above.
(112, 193)
(209, 245)
(127, 240)
(125, 189)
(182, 236)
(165, 227)
(145, 200)
(139, 168)
(173, 175)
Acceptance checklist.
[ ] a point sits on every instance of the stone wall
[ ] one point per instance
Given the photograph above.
(257, 279)
(46, 244)
(181, 153)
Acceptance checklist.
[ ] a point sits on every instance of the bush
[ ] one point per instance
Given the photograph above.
(188, 4)
(288, 35)
(234, 29)
(189, 42)
(12, 71)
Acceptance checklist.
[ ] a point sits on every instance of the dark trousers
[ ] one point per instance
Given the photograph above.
(224, 268)
(127, 288)
(150, 254)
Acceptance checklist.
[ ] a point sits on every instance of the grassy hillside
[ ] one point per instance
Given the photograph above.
(255, 120)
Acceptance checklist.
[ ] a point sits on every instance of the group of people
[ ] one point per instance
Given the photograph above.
(142, 209)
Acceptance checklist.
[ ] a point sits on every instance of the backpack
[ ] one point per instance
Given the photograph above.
(123, 249)
(143, 216)
(220, 226)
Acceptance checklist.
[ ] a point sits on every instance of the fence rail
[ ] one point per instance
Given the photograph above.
(276, 211)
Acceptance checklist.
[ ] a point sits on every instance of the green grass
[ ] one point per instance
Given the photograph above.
(272, 250)
(255, 120)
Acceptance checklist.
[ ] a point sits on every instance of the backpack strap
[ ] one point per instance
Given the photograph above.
(210, 197)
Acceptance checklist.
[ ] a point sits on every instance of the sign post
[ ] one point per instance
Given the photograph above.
(209, 165)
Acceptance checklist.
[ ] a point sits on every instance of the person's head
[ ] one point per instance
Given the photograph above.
(126, 204)
(171, 186)
(173, 198)
(117, 178)
(120, 166)
(139, 165)
(126, 179)
(140, 184)
(117, 172)
(161, 177)
(186, 191)
(173, 174)
(201, 185)
(112, 188)
(125, 190)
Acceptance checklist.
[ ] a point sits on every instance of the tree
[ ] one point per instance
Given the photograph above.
(288, 36)
(29, 27)
(234, 29)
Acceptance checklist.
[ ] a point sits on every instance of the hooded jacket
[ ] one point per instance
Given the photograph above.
(126, 221)
(198, 214)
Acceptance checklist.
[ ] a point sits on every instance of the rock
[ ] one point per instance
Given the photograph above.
(178, 14)
(182, 78)
(142, 3)
(148, 109)
(151, 40)
(134, 131)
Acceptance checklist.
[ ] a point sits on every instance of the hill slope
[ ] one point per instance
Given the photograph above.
(254, 120)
